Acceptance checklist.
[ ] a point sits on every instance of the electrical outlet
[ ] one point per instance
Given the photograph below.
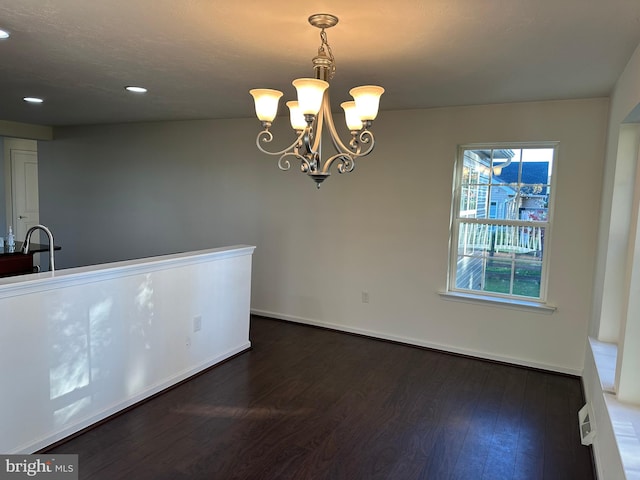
(365, 297)
(197, 323)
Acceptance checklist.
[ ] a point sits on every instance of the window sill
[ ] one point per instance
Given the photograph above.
(496, 301)
(624, 417)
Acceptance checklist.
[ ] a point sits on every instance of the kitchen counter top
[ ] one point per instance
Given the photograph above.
(33, 248)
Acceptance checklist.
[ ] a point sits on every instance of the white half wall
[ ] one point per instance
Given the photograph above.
(125, 191)
(83, 343)
(605, 447)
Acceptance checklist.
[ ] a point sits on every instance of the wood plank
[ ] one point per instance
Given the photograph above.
(309, 403)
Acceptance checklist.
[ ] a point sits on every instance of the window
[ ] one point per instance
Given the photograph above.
(501, 220)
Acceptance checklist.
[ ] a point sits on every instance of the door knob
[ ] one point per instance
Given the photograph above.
(22, 216)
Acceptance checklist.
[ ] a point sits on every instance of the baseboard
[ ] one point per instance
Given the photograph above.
(114, 409)
(419, 343)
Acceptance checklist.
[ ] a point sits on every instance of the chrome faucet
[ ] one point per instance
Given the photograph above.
(27, 241)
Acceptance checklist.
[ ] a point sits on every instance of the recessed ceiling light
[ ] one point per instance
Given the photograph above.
(4, 34)
(135, 89)
(33, 99)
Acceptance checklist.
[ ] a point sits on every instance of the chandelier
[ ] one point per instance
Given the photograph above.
(312, 112)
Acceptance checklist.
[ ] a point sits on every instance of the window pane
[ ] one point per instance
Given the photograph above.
(474, 201)
(505, 166)
(518, 240)
(482, 202)
(471, 170)
(474, 239)
(498, 275)
(469, 271)
(534, 214)
(538, 155)
(502, 202)
(504, 240)
(527, 277)
(535, 187)
(467, 201)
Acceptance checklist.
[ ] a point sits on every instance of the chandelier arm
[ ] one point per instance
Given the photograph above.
(333, 133)
(306, 138)
(347, 163)
(266, 136)
(348, 159)
(365, 137)
(284, 164)
(315, 135)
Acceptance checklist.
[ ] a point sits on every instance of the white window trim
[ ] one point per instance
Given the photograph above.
(452, 292)
(516, 304)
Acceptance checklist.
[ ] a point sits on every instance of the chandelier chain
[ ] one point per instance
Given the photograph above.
(325, 49)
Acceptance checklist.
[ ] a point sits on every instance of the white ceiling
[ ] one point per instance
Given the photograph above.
(199, 58)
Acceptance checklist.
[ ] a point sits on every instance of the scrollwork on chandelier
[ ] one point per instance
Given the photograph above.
(312, 112)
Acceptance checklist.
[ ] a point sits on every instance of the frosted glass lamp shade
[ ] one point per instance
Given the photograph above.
(266, 101)
(310, 94)
(351, 116)
(295, 116)
(367, 100)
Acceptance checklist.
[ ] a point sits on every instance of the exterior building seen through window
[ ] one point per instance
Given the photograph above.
(501, 220)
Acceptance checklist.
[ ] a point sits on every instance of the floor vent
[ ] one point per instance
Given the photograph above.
(586, 425)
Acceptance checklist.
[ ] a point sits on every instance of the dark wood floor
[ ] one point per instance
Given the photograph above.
(308, 403)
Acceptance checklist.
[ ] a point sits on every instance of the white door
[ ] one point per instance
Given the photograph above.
(24, 184)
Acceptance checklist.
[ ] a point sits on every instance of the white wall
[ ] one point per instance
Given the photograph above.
(80, 345)
(617, 196)
(613, 272)
(124, 191)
